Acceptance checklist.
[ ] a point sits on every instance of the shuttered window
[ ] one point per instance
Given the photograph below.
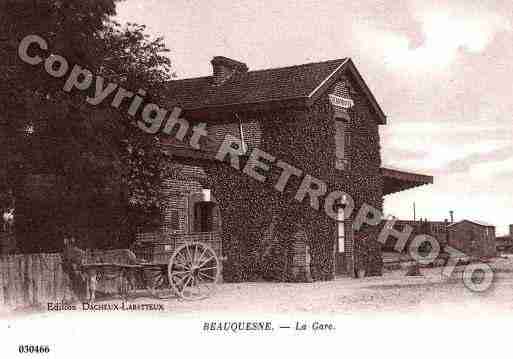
(342, 143)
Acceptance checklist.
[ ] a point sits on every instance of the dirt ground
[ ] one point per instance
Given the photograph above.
(429, 294)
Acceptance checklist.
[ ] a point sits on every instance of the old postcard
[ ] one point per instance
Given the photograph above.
(255, 178)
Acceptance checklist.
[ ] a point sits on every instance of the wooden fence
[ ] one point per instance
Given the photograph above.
(32, 280)
(36, 279)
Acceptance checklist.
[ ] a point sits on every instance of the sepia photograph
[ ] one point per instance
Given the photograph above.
(305, 178)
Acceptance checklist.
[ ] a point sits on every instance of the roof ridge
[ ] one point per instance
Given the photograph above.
(300, 65)
(341, 60)
(303, 83)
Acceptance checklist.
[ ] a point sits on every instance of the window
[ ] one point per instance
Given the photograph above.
(204, 217)
(342, 144)
(341, 230)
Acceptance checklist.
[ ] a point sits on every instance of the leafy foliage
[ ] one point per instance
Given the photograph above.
(100, 158)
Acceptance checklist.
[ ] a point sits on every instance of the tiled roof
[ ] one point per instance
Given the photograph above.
(251, 87)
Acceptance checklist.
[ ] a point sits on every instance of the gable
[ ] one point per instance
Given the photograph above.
(338, 79)
(297, 86)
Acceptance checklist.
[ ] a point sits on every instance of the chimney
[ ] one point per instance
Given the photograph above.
(224, 68)
(451, 212)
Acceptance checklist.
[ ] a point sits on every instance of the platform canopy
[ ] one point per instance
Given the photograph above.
(397, 180)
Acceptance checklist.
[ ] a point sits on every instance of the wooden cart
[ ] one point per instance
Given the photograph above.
(192, 273)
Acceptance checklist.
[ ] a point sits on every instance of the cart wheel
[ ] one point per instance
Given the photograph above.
(194, 271)
(157, 282)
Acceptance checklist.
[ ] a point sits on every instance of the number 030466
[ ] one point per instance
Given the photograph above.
(31, 349)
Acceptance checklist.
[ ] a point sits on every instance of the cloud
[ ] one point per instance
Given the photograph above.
(440, 69)
(445, 30)
(445, 148)
(482, 165)
(500, 166)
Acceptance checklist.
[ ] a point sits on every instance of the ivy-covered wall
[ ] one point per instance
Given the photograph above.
(261, 227)
(364, 177)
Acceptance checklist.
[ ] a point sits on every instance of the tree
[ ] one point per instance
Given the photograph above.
(106, 171)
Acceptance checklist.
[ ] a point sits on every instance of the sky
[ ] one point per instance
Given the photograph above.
(441, 70)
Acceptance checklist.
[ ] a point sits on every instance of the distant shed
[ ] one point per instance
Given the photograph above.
(505, 243)
(474, 238)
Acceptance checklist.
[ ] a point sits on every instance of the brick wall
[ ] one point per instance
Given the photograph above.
(185, 178)
(472, 239)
